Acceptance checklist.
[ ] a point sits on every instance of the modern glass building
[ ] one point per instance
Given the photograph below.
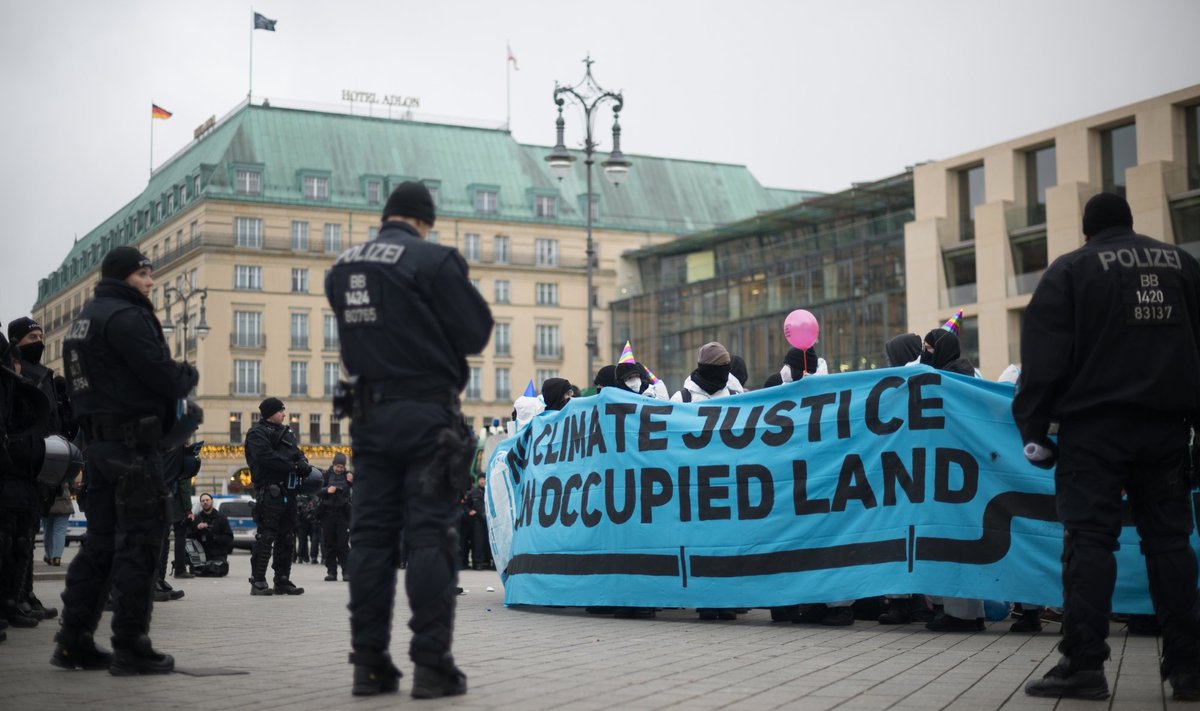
(841, 256)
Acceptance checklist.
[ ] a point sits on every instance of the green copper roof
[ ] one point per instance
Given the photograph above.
(660, 195)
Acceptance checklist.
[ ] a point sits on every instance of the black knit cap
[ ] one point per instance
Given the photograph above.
(122, 261)
(270, 406)
(19, 328)
(410, 199)
(1106, 210)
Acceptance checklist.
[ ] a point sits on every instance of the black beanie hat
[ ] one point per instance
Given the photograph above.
(21, 327)
(410, 199)
(270, 406)
(606, 377)
(1105, 210)
(122, 261)
(737, 366)
(339, 458)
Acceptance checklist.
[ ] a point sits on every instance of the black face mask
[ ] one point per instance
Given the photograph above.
(32, 352)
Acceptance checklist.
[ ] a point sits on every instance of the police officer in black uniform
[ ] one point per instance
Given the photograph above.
(407, 317)
(276, 467)
(124, 388)
(1111, 351)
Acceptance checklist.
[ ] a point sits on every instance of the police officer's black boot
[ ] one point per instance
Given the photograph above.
(78, 650)
(260, 587)
(1066, 681)
(374, 674)
(40, 610)
(283, 586)
(136, 656)
(18, 616)
(444, 679)
(3, 626)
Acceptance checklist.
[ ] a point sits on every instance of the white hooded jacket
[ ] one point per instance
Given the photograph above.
(697, 394)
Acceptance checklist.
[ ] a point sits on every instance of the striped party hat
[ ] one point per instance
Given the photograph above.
(653, 377)
(626, 354)
(953, 324)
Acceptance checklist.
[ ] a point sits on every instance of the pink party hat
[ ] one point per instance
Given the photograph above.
(626, 354)
(653, 377)
(953, 324)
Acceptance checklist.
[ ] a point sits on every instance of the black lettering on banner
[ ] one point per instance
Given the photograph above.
(800, 501)
(710, 493)
(551, 452)
(537, 442)
(843, 416)
(774, 418)
(874, 424)
(817, 403)
(700, 441)
(918, 403)
(568, 517)
(619, 410)
(746, 473)
(853, 484)
(728, 438)
(596, 435)
(573, 443)
(911, 481)
(685, 494)
(528, 494)
(619, 516)
(552, 495)
(651, 498)
(590, 518)
(648, 426)
(943, 459)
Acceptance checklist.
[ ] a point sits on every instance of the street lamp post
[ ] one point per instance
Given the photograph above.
(589, 96)
(185, 295)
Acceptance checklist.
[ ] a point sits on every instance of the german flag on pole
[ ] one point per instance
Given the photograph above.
(158, 112)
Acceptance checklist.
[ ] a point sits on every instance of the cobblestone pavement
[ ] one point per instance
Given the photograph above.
(295, 650)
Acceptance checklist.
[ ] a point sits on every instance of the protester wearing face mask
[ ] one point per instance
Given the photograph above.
(632, 377)
(711, 378)
(797, 364)
(902, 350)
(943, 351)
(556, 392)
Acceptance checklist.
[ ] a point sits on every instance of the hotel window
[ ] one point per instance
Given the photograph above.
(547, 294)
(332, 375)
(196, 186)
(474, 384)
(1118, 153)
(545, 205)
(471, 247)
(1041, 173)
(246, 377)
(299, 236)
(544, 374)
(247, 278)
(502, 244)
(485, 200)
(294, 423)
(299, 281)
(171, 203)
(960, 277)
(299, 378)
(335, 431)
(547, 342)
(316, 188)
(547, 252)
(248, 182)
(247, 232)
(1192, 122)
(433, 193)
(500, 336)
(235, 428)
(503, 388)
(247, 329)
(970, 196)
(332, 342)
(314, 429)
(502, 291)
(374, 192)
(300, 331)
(333, 238)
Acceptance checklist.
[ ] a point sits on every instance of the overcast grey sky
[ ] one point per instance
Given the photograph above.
(809, 95)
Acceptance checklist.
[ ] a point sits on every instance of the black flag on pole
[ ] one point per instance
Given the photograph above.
(262, 23)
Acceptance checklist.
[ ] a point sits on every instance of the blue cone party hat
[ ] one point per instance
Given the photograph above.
(530, 391)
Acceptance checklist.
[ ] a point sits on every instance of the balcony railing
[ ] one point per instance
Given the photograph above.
(237, 389)
(247, 340)
(959, 295)
(504, 350)
(1024, 217)
(299, 344)
(332, 344)
(1024, 283)
(544, 352)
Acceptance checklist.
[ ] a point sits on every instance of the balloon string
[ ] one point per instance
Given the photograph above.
(805, 363)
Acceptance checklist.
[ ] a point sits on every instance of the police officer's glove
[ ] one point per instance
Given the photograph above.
(1042, 453)
(301, 467)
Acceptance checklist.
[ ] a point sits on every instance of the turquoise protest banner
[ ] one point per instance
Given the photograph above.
(905, 480)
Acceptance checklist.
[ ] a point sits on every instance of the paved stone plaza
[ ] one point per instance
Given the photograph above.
(295, 650)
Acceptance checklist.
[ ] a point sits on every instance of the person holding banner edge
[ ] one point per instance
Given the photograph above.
(1120, 296)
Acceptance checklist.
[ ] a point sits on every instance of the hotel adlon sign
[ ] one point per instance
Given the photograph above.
(370, 97)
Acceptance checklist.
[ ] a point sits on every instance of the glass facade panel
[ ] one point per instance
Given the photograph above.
(960, 277)
(1192, 124)
(1029, 256)
(1118, 153)
(970, 196)
(1041, 173)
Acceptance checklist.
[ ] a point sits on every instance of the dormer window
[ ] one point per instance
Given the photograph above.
(374, 192)
(316, 187)
(485, 200)
(247, 182)
(545, 206)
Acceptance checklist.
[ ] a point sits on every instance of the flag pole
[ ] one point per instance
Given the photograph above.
(508, 87)
(151, 140)
(250, 87)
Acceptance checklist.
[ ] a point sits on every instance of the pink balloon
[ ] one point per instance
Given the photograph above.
(800, 329)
